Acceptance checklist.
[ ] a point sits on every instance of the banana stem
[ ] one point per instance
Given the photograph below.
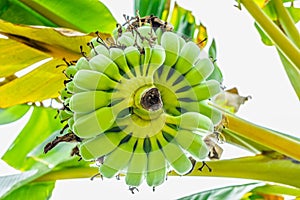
(256, 167)
(280, 40)
(287, 22)
(263, 136)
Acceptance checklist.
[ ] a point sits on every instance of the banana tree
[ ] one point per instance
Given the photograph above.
(137, 98)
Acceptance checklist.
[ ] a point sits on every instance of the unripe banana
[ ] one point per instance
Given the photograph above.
(100, 49)
(71, 123)
(133, 59)
(65, 115)
(89, 101)
(145, 35)
(71, 71)
(105, 65)
(118, 56)
(94, 123)
(189, 54)
(125, 40)
(137, 165)
(171, 44)
(82, 63)
(191, 121)
(139, 103)
(99, 81)
(203, 108)
(101, 145)
(72, 88)
(191, 141)
(202, 69)
(118, 159)
(65, 94)
(200, 92)
(158, 57)
(159, 32)
(156, 166)
(174, 155)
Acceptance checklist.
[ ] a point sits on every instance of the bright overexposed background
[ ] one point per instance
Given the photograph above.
(245, 62)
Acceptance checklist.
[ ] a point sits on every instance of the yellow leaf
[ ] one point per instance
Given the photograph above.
(16, 56)
(27, 45)
(202, 36)
(42, 83)
(56, 42)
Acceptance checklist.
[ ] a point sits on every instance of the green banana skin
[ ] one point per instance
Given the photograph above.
(174, 155)
(100, 145)
(105, 65)
(156, 165)
(137, 166)
(100, 80)
(89, 101)
(118, 159)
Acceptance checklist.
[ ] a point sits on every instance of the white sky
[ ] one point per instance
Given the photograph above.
(245, 62)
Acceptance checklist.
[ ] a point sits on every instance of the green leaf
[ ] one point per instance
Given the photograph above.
(292, 71)
(11, 182)
(183, 21)
(33, 191)
(295, 13)
(212, 51)
(216, 74)
(264, 38)
(39, 127)
(51, 42)
(230, 192)
(277, 190)
(13, 113)
(151, 7)
(86, 16)
(37, 164)
(24, 57)
(42, 83)
(29, 45)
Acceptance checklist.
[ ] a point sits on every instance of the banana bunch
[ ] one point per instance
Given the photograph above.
(141, 104)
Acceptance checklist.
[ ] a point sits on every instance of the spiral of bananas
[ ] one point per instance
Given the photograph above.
(140, 104)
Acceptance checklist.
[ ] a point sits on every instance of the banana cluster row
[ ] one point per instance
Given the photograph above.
(141, 104)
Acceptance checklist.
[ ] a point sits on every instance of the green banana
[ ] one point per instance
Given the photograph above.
(100, 145)
(203, 108)
(118, 159)
(137, 166)
(133, 59)
(118, 56)
(140, 103)
(82, 63)
(100, 49)
(174, 155)
(125, 40)
(71, 71)
(89, 101)
(201, 70)
(157, 58)
(156, 165)
(199, 92)
(100, 80)
(72, 88)
(189, 54)
(191, 141)
(94, 123)
(171, 44)
(190, 121)
(105, 65)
